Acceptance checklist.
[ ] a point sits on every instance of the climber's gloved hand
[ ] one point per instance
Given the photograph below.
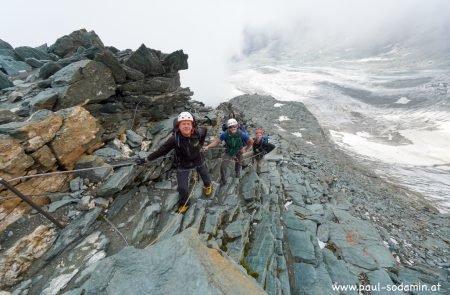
(140, 161)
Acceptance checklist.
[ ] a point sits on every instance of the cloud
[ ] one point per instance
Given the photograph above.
(212, 32)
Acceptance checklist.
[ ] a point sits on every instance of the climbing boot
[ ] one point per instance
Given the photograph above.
(183, 208)
(207, 190)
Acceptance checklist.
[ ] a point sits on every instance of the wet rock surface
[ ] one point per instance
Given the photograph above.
(312, 218)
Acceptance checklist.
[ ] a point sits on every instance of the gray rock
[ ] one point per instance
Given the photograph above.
(172, 227)
(6, 49)
(170, 201)
(147, 222)
(6, 116)
(101, 202)
(58, 204)
(49, 69)
(117, 181)
(25, 52)
(162, 269)
(72, 232)
(95, 175)
(109, 60)
(213, 221)
(146, 61)
(381, 277)
(262, 249)
(167, 184)
(13, 67)
(108, 153)
(83, 82)
(338, 271)
(4, 81)
(301, 245)
(35, 63)
(248, 185)
(175, 62)
(310, 280)
(133, 139)
(44, 100)
(133, 74)
(69, 44)
(151, 86)
(76, 184)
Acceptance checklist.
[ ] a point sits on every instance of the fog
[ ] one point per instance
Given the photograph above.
(217, 34)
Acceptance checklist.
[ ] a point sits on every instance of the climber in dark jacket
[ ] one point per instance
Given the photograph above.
(261, 147)
(187, 142)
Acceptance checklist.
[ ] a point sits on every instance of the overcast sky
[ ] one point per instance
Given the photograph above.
(212, 32)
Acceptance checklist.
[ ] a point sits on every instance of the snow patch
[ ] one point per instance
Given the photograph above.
(403, 100)
(283, 118)
(279, 128)
(298, 134)
(278, 105)
(321, 244)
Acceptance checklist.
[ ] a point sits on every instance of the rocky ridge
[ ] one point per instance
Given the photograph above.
(311, 219)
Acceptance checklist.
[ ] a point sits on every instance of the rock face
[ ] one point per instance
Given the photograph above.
(78, 127)
(83, 82)
(16, 260)
(4, 81)
(13, 160)
(146, 61)
(172, 261)
(40, 129)
(68, 44)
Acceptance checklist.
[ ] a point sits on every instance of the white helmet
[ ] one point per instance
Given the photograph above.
(232, 122)
(185, 116)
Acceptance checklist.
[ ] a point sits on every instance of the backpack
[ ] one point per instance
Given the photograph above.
(238, 147)
(265, 138)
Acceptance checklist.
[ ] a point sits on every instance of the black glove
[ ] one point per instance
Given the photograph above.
(140, 161)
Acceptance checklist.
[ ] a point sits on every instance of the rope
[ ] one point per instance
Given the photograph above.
(116, 229)
(80, 170)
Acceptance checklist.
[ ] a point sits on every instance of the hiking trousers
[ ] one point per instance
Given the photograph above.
(227, 160)
(258, 159)
(183, 176)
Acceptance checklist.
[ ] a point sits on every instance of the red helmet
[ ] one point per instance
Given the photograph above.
(259, 131)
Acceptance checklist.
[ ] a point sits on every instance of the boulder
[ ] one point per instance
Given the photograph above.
(146, 60)
(19, 258)
(69, 44)
(44, 100)
(49, 69)
(109, 60)
(133, 139)
(6, 116)
(181, 264)
(97, 175)
(13, 160)
(6, 49)
(25, 52)
(40, 129)
(175, 62)
(117, 181)
(83, 82)
(35, 63)
(45, 159)
(156, 85)
(12, 66)
(4, 81)
(133, 74)
(79, 133)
